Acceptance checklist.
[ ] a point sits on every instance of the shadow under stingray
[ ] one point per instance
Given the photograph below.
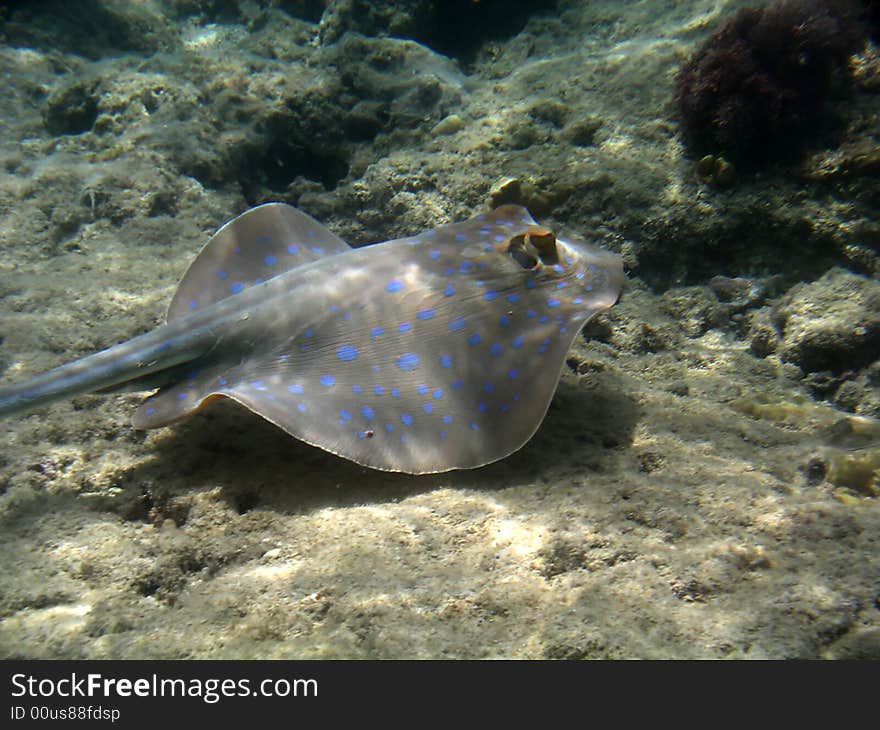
(257, 464)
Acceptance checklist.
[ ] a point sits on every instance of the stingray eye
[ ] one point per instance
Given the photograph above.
(523, 258)
(522, 252)
(544, 242)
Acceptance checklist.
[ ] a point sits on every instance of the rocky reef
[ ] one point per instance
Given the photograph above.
(705, 483)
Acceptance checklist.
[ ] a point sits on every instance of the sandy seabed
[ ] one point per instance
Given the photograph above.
(686, 495)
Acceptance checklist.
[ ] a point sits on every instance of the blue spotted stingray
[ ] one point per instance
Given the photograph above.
(423, 354)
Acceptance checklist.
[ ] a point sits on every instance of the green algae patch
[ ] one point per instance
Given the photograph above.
(856, 471)
(793, 412)
(851, 453)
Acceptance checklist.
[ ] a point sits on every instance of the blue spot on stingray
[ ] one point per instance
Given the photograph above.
(459, 236)
(474, 339)
(434, 255)
(421, 389)
(449, 270)
(443, 435)
(223, 274)
(530, 284)
(513, 298)
(499, 238)
(561, 284)
(327, 380)
(513, 373)
(589, 287)
(553, 302)
(236, 286)
(577, 300)
(481, 407)
(474, 426)
(558, 268)
(394, 285)
(447, 419)
(181, 396)
(543, 319)
(334, 308)
(495, 349)
(346, 316)
(395, 392)
(563, 330)
(259, 280)
(438, 394)
(403, 438)
(376, 331)
(378, 390)
(389, 427)
(150, 411)
(347, 352)
(309, 332)
(222, 381)
(270, 260)
(490, 296)
(406, 419)
(317, 250)
(425, 314)
(292, 249)
(356, 389)
(531, 313)
(449, 290)
(503, 321)
(446, 361)
(465, 266)
(193, 303)
(457, 383)
(428, 407)
(367, 412)
(488, 387)
(408, 361)
(301, 407)
(345, 415)
(457, 324)
(310, 233)
(295, 388)
(404, 327)
(259, 385)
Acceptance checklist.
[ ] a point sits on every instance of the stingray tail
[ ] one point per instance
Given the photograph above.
(145, 362)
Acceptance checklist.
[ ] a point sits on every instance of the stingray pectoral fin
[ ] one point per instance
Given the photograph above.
(411, 429)
(260, 244)
(169, 405)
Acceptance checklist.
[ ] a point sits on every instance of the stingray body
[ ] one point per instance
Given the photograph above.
(435, 352)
